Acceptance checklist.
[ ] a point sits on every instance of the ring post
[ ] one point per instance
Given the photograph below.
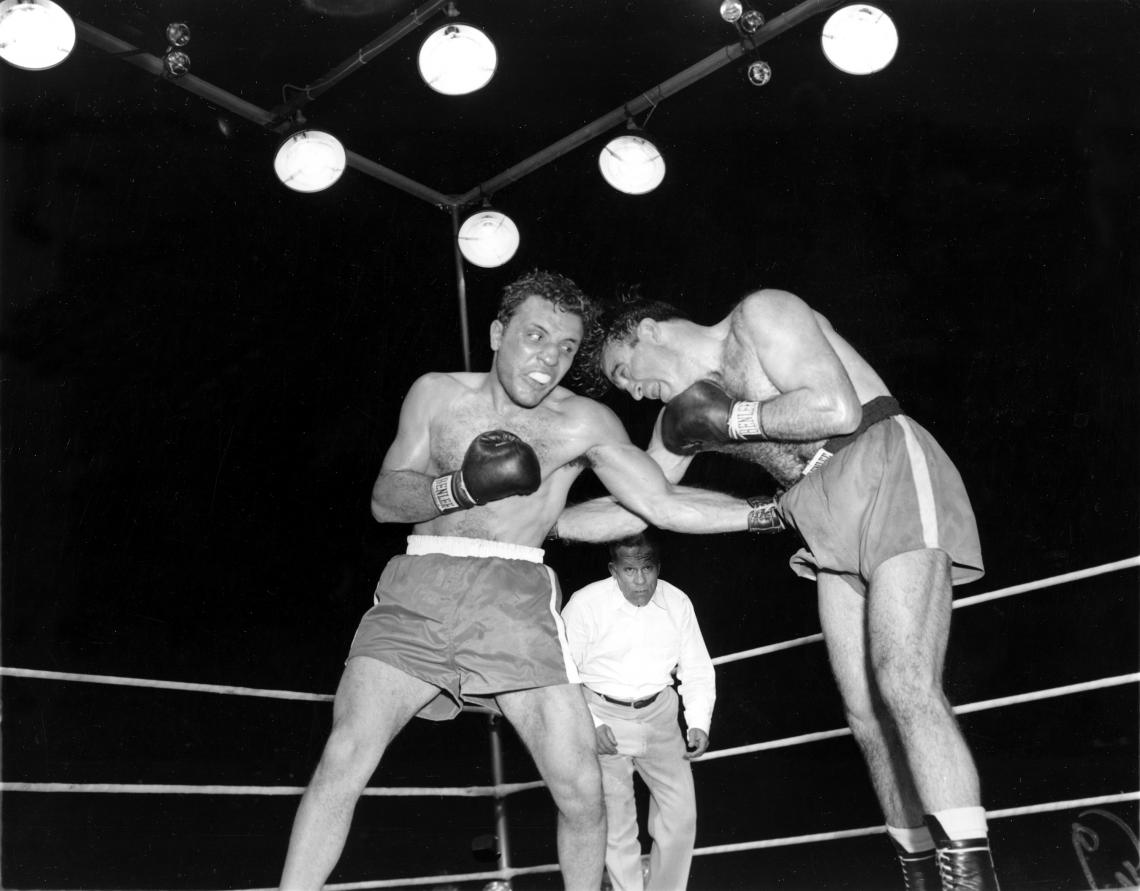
(500, 799)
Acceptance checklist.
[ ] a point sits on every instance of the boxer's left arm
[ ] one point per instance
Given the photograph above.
(641, 493)
(815, 399)
(816, 396)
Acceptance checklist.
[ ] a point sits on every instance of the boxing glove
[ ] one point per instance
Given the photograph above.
(497, 465)
(705, 415)
(765, 514)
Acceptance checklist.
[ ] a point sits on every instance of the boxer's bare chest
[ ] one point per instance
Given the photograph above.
(456, 424)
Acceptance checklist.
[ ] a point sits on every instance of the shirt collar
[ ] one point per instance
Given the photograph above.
(657, 600)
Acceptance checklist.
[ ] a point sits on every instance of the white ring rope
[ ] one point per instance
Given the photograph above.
(161, 685)
(960, 709)
(958, 604)
(719, 660)
(509, 788)
(499, 791)
(786, 841)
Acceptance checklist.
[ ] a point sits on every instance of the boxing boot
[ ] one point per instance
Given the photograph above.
(963, 864)
(920, 870)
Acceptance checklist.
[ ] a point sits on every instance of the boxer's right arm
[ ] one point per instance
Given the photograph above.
(402, 491)
(497, 465)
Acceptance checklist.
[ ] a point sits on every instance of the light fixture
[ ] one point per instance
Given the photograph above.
(176, 64)
(309, 161)
(859, 39)
(35, 34)
(751, 22)
(177, 34)
(731, 11)
(457, 59)
(488, 238)
(746, 19)
(759, 73)
(631, 163)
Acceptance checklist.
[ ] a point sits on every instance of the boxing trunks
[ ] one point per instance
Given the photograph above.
(888, 490)
(472, 617)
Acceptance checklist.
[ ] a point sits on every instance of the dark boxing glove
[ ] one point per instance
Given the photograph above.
(497, 465)
(765, 514)
(704, 415)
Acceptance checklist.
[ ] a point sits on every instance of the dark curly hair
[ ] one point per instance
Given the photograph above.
(566, 296)
(617, 324)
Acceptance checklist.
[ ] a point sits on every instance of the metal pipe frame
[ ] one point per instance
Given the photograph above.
(279, 119)
(650, 98)
(363, 56)
(236, 105)
(276, 118)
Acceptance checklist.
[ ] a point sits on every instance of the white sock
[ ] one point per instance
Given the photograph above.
(963, 822)
(913, 841)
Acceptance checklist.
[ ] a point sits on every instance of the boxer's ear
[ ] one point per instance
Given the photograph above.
(496, 334)
(649, 329)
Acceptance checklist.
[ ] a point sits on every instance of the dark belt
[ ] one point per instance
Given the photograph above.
(878, 409)
(637, 703)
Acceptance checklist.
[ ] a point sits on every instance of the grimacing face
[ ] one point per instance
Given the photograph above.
(636, 572)
(644, 369)
(535, 349)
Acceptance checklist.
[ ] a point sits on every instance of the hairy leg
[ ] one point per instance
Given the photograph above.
(909, 605)
(373, 703)
(843, 618)
(555, 725)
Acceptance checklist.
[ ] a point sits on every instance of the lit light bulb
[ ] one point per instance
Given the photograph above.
(309, 161)
(859, 39)
(35, 34)
(731, 11)
(488, 238)
(632, 164)
(457, 59)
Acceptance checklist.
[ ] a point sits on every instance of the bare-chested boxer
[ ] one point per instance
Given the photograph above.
(481, 465)
(886, 520)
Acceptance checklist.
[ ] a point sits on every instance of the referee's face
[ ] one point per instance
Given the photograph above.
(635, 572)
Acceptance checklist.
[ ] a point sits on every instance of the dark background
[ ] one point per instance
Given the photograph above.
(202, 370)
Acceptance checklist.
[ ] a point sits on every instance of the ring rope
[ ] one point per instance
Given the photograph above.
(786, 841)
(960, 709)
(162, 685)
(1076, 575)
(1047, 807)
(187, 789)
(509, 788)
(44, 674)
(505, 789)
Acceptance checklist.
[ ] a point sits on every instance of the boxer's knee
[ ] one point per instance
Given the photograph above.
(578, 792)
(910, 688)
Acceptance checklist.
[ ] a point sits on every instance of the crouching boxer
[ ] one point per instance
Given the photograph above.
(481, 466)
(886, 521)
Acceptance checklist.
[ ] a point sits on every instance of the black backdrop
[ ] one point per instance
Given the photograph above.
(202, 372)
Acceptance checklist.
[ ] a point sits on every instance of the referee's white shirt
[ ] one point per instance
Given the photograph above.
(630, 652)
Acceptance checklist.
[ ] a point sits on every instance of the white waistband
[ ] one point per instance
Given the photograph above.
(457, 546)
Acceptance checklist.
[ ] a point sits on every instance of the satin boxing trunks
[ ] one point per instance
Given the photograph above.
(472, 617)
(889, 490)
